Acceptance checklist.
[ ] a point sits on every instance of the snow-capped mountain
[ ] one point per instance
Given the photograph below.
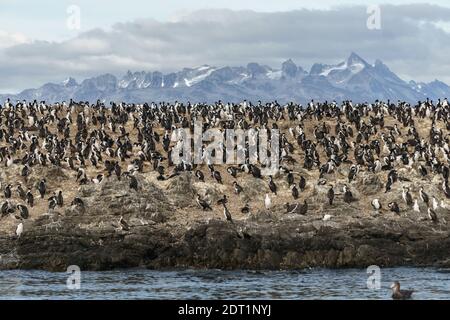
(353, 79)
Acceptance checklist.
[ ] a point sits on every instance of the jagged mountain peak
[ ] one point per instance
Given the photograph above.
(70, 82)
(289, 68)
(356, 59)
(354, 79)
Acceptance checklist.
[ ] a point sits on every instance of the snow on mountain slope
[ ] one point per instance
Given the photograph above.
(354, 78)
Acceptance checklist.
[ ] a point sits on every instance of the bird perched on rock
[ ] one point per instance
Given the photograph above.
(227, 213)
(216, 175)
(290, 178)
(376, 205)
(42, 188)
(272, 185)
(203, 204)
(446, 188)
(245, 209)
(294, 191)
(52, 202)
(389, 183)
(77, 202)
(60, 199)
(19, 230)
(6, 208)
(97, 179)
(435, 203)
(123, 224)
(232, 171)
(30, 198)
(302, 183)
(393, 206)
(352, 173)
(330, 195)
(416, 207)
(423, 196)
(20, 192)
(237, 188)
(222, 200)
(267, 202)
(432, 215)
(348, 196)
(407, 196)
(133, 182)
(303, 208)
(7, 191)
(23, 211)
(200, 176)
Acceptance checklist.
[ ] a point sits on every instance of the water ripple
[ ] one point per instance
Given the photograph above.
(429, 283)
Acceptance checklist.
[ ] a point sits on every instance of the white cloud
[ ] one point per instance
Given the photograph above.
(8, 39)
(411, 41)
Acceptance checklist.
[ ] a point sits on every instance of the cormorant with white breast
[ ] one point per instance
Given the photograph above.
(203, 204)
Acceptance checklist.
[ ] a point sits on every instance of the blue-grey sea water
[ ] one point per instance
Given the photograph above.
(429, 283)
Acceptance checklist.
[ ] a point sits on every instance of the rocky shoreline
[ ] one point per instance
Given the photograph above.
(164, 235)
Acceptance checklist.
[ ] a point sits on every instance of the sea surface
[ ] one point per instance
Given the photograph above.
(429, 283)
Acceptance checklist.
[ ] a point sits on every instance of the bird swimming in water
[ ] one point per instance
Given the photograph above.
(398, 294)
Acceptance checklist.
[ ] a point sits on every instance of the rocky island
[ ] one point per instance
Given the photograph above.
(126, 205)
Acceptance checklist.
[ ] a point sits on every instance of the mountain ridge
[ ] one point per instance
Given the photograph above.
(352, 79)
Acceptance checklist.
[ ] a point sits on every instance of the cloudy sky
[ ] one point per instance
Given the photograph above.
(40, 41)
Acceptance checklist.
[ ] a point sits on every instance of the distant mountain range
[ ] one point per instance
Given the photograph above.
(353, 79)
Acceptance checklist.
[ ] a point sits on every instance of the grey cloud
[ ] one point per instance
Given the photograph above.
(408, 42)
